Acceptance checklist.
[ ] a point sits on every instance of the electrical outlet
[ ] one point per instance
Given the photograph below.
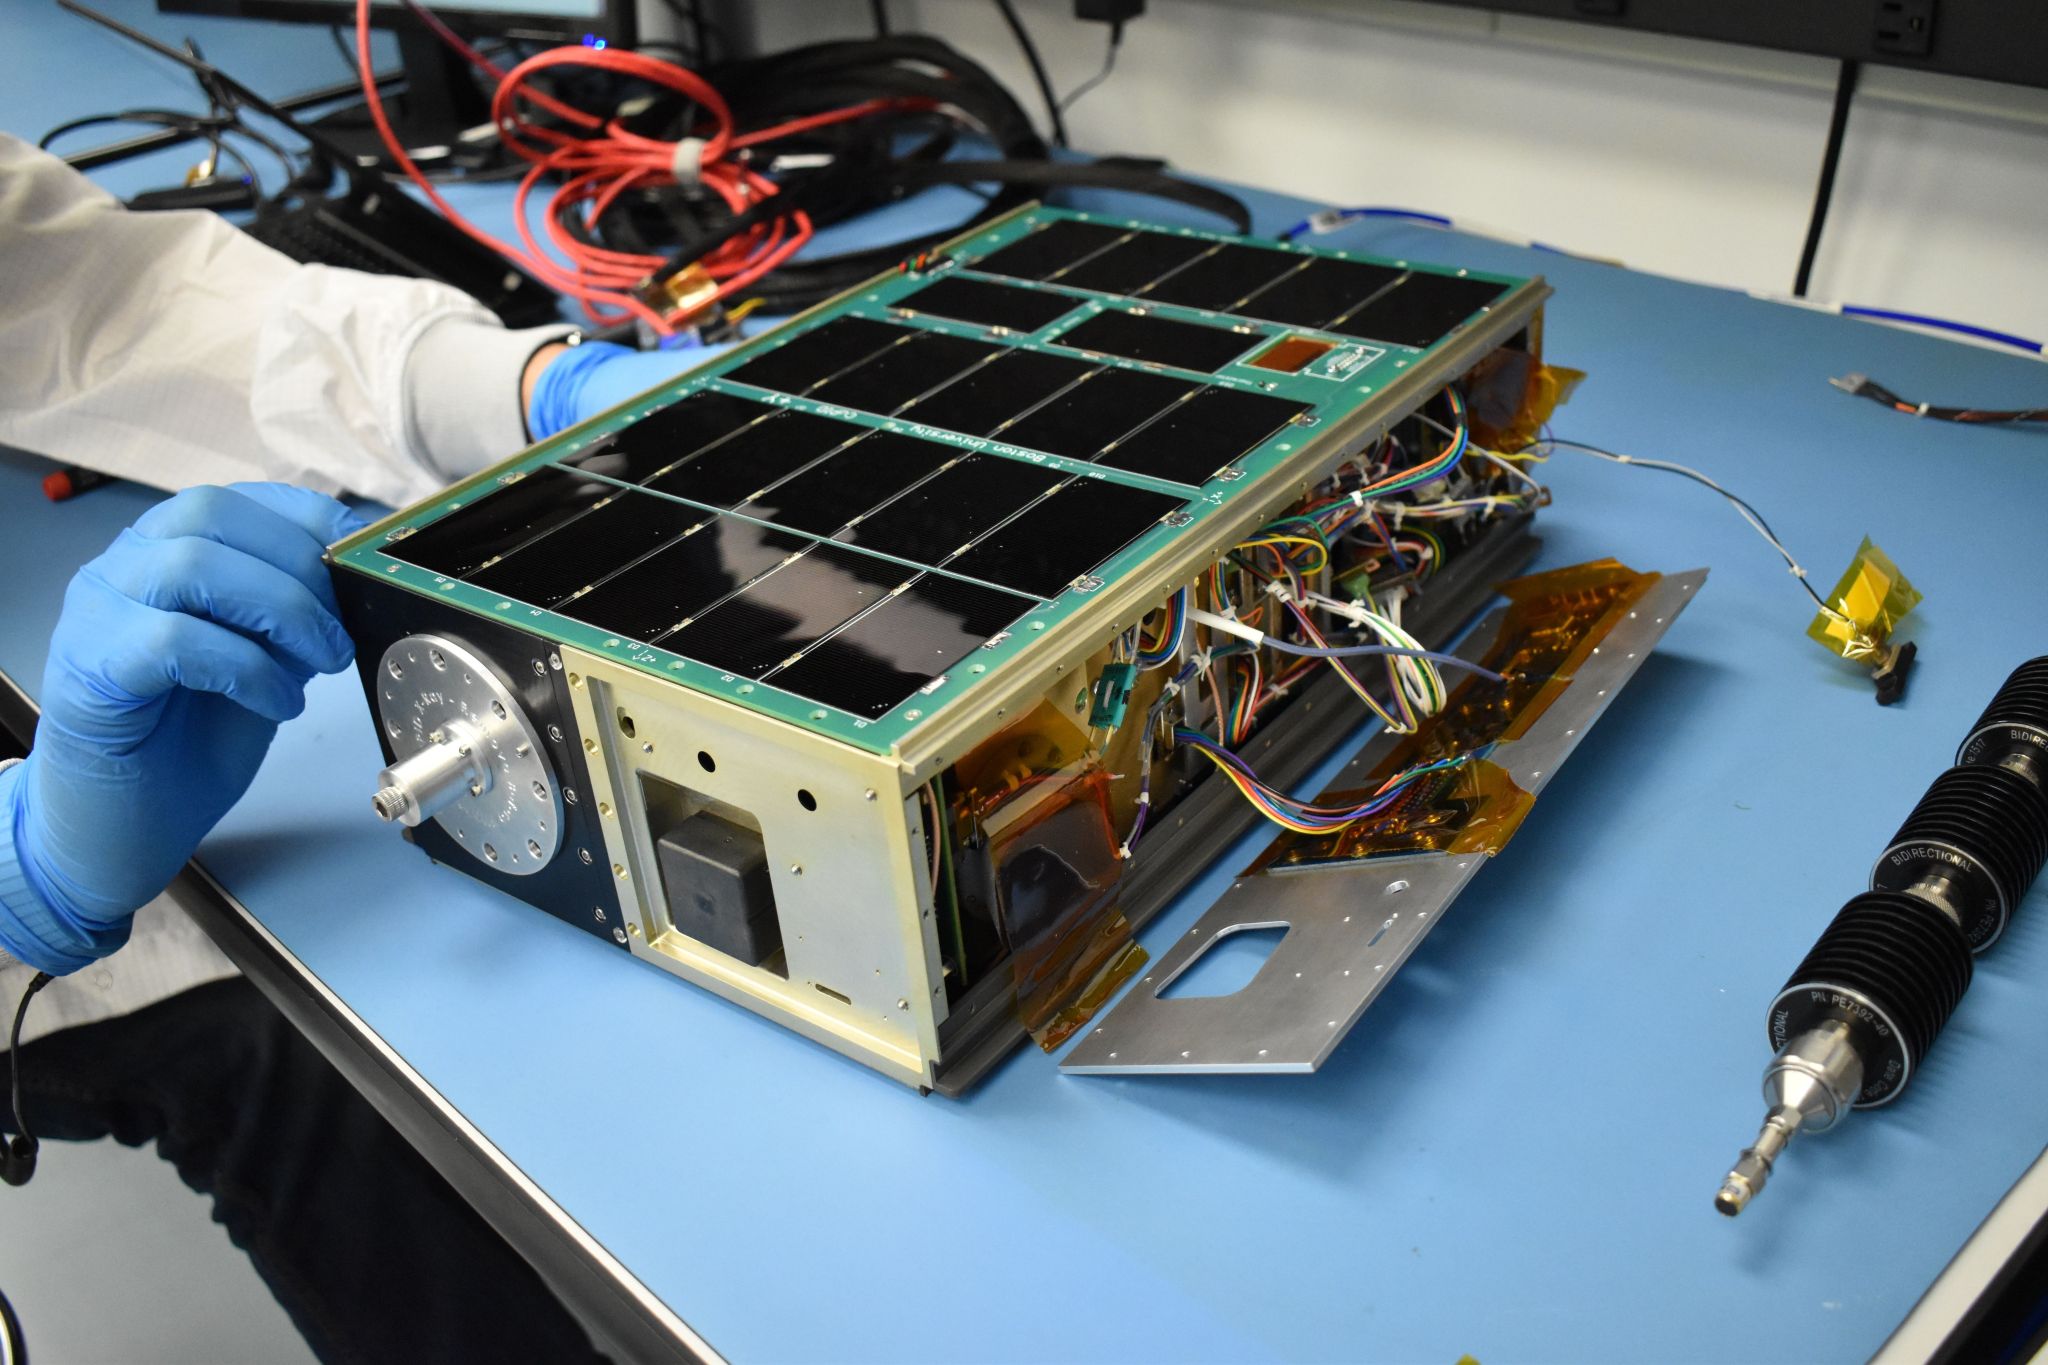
(1905, 28)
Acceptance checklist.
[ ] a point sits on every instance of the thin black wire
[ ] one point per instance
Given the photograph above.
(1116, 40)
(36, 983)
(1038, 74)
(1830, 161)
(211, 129)
(881, 9)
(345, 48)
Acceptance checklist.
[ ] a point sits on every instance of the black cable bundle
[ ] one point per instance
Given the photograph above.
(1863, 386)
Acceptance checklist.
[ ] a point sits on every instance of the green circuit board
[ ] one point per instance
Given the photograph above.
(855, 520)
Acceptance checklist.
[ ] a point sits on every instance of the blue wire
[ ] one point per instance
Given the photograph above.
(1353, 215)
(1944, 324)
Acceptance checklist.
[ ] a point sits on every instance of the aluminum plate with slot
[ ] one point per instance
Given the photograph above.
(1349, 928)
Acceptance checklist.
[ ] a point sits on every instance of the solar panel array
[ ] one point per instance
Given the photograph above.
(851, 564)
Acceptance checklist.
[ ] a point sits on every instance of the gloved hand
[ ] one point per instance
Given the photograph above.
(583, 381)
(178, 652)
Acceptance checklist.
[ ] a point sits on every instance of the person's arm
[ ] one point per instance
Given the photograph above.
(173, 349)
(178, 653)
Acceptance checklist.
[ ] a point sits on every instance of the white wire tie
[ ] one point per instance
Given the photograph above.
(686, 163)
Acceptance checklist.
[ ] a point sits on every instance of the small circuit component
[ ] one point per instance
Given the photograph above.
(1860, 614)
(1112, 695)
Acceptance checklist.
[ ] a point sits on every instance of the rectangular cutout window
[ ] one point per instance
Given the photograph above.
(1289, 354)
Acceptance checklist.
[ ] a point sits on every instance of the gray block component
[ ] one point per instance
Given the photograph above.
(714, 875)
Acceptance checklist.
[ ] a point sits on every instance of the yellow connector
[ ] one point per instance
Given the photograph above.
(1865, 606)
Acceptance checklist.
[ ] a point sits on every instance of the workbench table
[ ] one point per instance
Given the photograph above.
(1513, 1155)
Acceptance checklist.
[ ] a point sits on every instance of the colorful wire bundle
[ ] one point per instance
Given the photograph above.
(1305, 817)
(1436, 468)
(1173, 634)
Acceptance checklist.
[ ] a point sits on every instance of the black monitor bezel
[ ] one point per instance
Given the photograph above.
(614, 22)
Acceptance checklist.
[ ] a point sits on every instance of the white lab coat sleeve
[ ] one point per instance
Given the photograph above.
(173, 349)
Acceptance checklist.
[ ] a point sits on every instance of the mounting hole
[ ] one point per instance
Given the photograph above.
(540, 789)
(394, 668)
(533, 847)
(589, 746)
(625, 724)
(490, 853)
(805, 799)
(1396, 887)
(706, 762)
(437, 659)
(497, 708)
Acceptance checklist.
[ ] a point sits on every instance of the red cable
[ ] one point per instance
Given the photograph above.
(606, 161)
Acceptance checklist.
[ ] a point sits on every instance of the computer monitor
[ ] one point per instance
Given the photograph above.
(442, 97)
(555, 21)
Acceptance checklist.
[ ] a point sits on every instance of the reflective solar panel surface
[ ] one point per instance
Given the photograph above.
(851, 511)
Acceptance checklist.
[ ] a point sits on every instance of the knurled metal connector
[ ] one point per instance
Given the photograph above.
(688, 291)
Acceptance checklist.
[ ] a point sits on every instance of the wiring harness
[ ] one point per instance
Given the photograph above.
(694, 190)
(1863, 386)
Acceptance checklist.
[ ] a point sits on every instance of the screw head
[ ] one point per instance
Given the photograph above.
(540, 669)
(618, 936)
(598, 911)
(555, 733)
(584, 854)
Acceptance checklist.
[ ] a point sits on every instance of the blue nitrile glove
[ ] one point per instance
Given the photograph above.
(178, 652)
(584, 380)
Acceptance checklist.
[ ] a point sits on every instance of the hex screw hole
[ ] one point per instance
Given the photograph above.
(805, 799)
(706, 762)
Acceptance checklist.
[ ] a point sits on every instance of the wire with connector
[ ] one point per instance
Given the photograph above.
(1863, 386)
(1869, 649)
(18, 1157)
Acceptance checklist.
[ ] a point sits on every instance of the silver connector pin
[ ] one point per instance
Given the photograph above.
(1746, 1181)
(1809, 1086)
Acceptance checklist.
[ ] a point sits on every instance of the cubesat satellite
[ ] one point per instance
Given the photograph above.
(835, 676)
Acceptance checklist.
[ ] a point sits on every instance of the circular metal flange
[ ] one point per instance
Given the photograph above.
(434, 695)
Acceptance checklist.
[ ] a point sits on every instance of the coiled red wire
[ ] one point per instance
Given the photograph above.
(601, 161)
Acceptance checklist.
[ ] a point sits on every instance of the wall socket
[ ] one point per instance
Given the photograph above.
(1905, 28)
